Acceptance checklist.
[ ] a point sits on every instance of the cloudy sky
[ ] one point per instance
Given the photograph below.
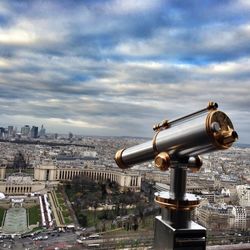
(117, 67)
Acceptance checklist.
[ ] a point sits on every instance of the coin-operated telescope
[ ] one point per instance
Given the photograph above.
(178, 145)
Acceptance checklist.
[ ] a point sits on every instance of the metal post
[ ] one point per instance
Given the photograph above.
(174, 229)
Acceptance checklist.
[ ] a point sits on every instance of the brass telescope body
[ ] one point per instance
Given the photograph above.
(177, 145)
(183, 140)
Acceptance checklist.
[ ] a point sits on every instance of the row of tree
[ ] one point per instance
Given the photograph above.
(83, 192)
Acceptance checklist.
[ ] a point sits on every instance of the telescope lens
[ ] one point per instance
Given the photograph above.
(215, 127)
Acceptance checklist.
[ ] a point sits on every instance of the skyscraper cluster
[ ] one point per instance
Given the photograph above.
(26, 131)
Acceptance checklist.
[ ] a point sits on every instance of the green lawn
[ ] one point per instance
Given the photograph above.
(2, 212)
(91, 218)
(68, 220)
(61, 201)
(34, 215)
(63, 207)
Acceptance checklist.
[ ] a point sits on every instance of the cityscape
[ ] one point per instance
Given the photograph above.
(124, 125)
(66, 192)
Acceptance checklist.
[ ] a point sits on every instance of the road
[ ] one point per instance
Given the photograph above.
(54, 239)
(124, 240)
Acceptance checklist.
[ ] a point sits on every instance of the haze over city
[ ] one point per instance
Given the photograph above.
(118, 67)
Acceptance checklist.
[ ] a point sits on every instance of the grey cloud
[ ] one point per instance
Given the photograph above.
(122, 69)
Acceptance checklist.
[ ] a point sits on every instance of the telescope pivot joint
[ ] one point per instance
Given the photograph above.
(162, 161)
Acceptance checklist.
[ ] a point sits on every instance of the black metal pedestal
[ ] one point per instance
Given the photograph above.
(174, 229)
(167, 237)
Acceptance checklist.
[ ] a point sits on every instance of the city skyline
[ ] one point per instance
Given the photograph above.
(119, 67)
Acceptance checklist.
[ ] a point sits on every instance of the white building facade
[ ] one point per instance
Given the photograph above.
(243, 192)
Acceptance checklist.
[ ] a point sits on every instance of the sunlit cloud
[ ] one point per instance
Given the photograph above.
(16, 37)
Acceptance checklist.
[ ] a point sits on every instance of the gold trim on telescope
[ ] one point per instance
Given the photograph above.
(175, 204)
(212, 106)
(162, 125)
(118, 159)
(162, 161)
(220, 129)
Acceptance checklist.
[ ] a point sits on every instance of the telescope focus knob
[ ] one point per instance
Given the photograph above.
(162, 161)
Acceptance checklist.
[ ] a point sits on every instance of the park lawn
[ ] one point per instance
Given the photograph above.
(2, 212)
(68, 220)
(59, 194)
(70, 193)
(61, 202)
(64, 208)
(34, 215)
(92, 217)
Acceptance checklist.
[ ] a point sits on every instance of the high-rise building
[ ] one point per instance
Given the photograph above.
(10, 131)
(42, 132)
(2, 131)
(25, 130)
(34, 132)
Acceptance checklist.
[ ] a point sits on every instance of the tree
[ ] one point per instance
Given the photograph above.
(19, 161)
(104, 190)
(82, 218)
